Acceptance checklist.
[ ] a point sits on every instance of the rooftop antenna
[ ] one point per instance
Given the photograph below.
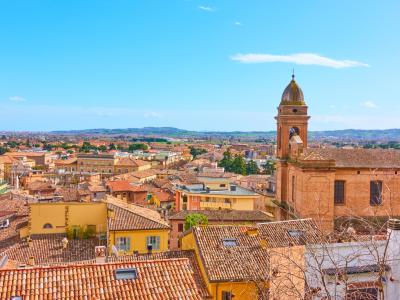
(293, 74)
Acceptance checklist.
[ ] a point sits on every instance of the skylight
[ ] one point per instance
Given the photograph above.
(229, 242)
(295, 233)
(128, 273)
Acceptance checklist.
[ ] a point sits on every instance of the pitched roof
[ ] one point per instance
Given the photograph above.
(240, 253)
(225, 215)
(127, 161)
(133, 217)
(189, 254)
(290, 233)
(355, 158)
(247, 260)
(120, 186)
(158, 279)
(48, 249)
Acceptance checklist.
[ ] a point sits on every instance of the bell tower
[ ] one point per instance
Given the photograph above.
(292, 120)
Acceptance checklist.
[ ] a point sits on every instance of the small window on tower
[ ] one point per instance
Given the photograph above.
(295, 110)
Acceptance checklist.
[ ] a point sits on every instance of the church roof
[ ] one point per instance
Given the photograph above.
(292, 95)
(355, 158)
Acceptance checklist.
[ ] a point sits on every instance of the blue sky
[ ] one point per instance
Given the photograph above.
(200, 65)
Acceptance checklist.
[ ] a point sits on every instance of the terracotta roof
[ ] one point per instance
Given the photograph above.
(127, 161)
(120, 186)
(68, 161)
(225, 215)
(133, 217)
(158, 279)
(189, 254)
(290, 233)
(240, 253)
(28, 154)
(244, 261)
(163, 196)
(17, 213)
(7, 159)
(47, 249)
(40, 185)
(355, 158)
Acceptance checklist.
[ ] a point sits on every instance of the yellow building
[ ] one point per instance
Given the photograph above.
(130, 228)
(58, 217)
(265, 261)
(127, 164)
(215, 193)
(135, 229)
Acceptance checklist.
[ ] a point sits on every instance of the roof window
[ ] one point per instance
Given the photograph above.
(125, 274)
(229, 242)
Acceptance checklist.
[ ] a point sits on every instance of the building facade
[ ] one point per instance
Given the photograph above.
(330, 185)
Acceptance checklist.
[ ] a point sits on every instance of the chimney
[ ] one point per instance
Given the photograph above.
(111, 214)
(31, 261)
(64, 242)
(263, 244)
(252, 231)
(100, 253)
(30, 242)
(393, 254)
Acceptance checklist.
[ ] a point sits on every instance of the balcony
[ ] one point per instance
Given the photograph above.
(215, 205)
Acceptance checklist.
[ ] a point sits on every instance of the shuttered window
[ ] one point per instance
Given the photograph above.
(339, 192)
(375, 192)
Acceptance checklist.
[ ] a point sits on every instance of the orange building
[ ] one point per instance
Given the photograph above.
(330, 185)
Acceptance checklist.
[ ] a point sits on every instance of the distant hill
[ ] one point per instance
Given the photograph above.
(348, 134)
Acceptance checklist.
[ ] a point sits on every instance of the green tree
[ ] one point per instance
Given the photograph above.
(195, 220)
(137, 146)
(3, 150)
(226, 161)
(269, 167)
(102, 148)
(112, 147)
(239, 165)
(197, 151)
(252, 168)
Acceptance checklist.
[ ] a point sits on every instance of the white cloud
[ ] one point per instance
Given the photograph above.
(237, 23)
(299, 59)
(368, 104)
(152, 114)
(207, 8)
(17, 99)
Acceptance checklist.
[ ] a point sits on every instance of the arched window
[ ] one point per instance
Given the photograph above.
(47, 226)
(293, 131)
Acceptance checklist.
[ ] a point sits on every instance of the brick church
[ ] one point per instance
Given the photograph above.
(332, 186)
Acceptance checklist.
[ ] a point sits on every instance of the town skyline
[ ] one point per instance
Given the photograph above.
(110, 65)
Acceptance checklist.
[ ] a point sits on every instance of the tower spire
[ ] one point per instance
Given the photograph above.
(293, 74)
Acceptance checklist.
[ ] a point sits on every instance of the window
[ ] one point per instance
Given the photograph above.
(128, 273)
(154, 241)
(47, 226)
(375, 192)
(339, 192)
(180, 227)
(229, 242)
(295, 233)
(293, 188)
(123, 243)
(227, 295)
(222, 185)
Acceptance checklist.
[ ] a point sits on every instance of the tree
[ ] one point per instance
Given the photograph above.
(239, 165)
(197, 151)
(103, 148)
(112, 147)
(3, 150)
(226, 161)
(269, 167)
(252, 168)
(195, 220)
(137, 146)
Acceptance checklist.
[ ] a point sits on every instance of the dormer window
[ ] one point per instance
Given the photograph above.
(295, 233)
(126, 274)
